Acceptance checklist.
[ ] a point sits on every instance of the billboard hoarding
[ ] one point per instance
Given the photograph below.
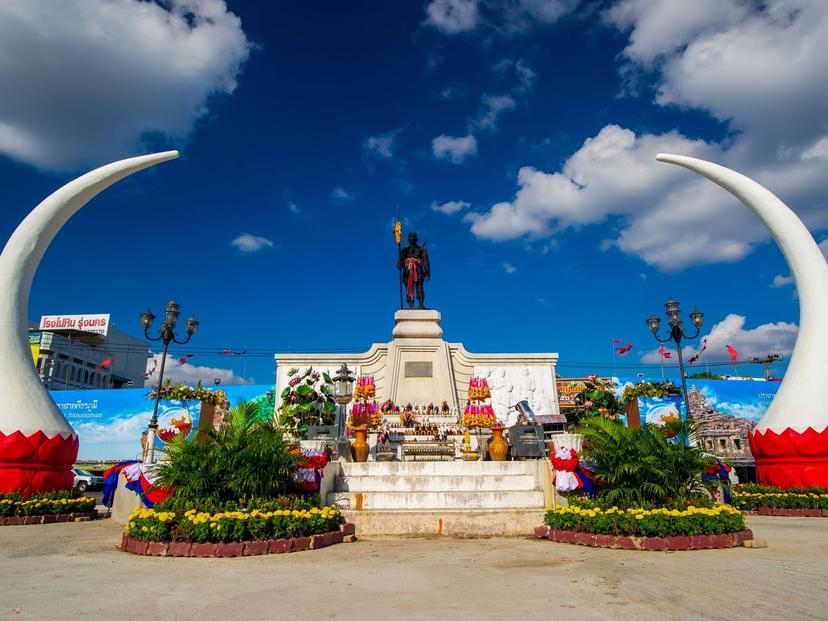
(93, 324)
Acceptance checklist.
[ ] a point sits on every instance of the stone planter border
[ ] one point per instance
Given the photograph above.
(25, 520)
(789, 512)
(662, 544)
(346, 534)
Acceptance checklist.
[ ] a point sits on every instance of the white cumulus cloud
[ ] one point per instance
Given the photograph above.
(381, 146)
(506, 18)
(757, 67)
(341, 195)
(87, 81)
(768, 338)
(251, 243)
(491, 108)
(450, 207)
(452, 16)
(781, 281)
(454, 148)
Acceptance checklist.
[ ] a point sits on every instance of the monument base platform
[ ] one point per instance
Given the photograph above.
(458, 524)
(456, 498)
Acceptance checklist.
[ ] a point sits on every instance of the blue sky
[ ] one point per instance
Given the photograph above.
(517, 138)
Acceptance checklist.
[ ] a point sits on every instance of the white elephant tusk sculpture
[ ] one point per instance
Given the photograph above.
(37, 445)
(790, 443)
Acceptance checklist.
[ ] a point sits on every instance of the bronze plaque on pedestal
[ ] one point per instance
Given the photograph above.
(418, 369)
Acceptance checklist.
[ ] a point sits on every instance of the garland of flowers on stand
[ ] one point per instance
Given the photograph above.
(365, 413)
(477, 413)
(183, 392)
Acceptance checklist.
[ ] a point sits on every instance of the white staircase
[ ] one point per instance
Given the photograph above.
(456, 498)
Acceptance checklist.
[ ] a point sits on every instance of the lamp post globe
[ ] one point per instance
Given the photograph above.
(343, 393)
(166, 335)
(677, 334)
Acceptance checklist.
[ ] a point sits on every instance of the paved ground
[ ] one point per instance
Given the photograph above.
(66, 571)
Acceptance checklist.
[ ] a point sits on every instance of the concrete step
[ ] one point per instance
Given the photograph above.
(426, 501)
(441, 468)
(436, 483)
(447, 523)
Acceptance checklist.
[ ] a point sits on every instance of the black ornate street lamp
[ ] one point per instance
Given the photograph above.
(166, 335)
(677, 334)
(343, 393)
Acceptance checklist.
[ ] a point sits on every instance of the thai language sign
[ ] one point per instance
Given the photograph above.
(94, 324)
(109, 423)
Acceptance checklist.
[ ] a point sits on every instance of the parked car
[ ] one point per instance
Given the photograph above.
(85, 480)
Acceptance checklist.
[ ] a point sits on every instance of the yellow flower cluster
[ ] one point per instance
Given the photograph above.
(203, 517)
(739, 494)
(640, 514)
(38, 502)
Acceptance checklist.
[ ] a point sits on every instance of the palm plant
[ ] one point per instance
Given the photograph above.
(643, 466)
(246, 458)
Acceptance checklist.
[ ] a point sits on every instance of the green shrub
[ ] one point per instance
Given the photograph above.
(247, 458)
(643, 467)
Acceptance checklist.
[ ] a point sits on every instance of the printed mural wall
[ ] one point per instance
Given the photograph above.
(109, 423)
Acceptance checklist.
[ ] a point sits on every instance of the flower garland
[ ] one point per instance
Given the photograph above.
(479, 389)
(365, 388)
(479, 415)
(182, 392)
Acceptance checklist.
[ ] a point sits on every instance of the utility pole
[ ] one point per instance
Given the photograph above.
(766, 362)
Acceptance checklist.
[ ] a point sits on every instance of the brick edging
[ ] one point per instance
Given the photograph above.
(696, 542)
(346, 533)
(790, 512)
(25, 520)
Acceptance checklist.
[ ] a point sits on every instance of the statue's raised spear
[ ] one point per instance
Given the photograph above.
(398, 237)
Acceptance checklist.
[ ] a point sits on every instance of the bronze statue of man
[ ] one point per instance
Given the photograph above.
(415, 269)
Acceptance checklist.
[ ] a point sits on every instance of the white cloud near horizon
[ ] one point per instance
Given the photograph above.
(91, 81)
(758, 69)
(455, 149)
(251, 243)
(191, 374)
(767, 338)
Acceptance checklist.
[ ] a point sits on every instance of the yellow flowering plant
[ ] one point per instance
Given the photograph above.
(241, 525)
(46, 503)
(750, 497)
(647, 522)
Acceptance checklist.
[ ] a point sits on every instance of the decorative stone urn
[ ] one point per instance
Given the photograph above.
(498, 449)
(360, 446)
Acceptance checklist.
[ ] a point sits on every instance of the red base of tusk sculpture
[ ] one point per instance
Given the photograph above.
(790, 458)
(36, 463)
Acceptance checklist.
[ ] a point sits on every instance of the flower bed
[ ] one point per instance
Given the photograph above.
(718, 526)
(794, 502)
(45, 508)
(233, 533)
